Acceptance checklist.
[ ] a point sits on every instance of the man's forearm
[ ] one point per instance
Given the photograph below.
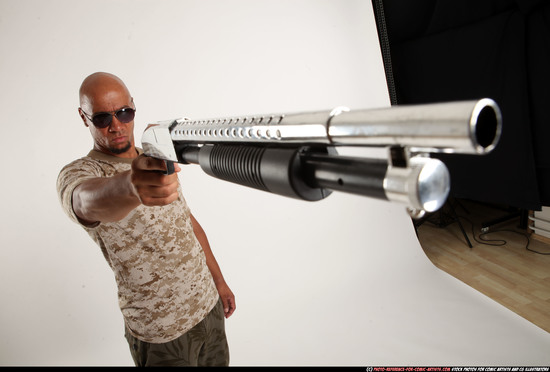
(105, 199)
(225, 293)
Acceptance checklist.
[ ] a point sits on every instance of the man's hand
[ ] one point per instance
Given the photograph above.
(228, 299)
(151, 186)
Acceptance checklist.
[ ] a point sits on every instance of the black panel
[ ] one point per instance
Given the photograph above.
(469, 49)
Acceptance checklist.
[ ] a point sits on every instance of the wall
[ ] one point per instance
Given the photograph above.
(338, 282)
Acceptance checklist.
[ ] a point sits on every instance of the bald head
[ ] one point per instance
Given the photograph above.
(100, 84)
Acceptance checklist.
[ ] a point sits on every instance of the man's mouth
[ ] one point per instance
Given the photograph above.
(121, 139)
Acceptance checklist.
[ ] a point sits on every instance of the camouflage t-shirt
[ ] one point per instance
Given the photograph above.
(164, 285)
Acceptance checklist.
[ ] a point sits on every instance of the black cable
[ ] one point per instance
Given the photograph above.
(501, 242)
(446, 219)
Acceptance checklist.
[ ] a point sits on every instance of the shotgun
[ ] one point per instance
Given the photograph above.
(295, 154)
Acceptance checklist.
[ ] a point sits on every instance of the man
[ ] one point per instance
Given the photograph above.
(171, 291)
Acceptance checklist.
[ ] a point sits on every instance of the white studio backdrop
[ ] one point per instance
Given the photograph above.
(342, 281)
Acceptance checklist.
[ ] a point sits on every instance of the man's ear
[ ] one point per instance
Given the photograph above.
(82, 116)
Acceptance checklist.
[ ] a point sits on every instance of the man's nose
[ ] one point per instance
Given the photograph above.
(115, 125)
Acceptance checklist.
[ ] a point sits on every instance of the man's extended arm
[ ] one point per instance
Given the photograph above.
(111, 199)
(227, 296)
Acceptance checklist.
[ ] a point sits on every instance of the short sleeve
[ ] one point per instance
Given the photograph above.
(69, 178)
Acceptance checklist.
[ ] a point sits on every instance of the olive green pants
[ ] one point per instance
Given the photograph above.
(204, 345)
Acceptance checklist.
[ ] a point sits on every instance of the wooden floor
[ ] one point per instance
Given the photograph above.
(507, 271)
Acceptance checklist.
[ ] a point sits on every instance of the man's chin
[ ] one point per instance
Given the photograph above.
(121, 149)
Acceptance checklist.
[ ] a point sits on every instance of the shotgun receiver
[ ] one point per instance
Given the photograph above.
(295, 154)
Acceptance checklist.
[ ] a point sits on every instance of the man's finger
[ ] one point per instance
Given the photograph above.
(158, 201)
(144, 162)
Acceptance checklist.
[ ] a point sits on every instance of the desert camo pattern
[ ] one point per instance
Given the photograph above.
(164, 285)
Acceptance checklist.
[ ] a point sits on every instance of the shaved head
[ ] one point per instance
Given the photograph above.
(97, 84)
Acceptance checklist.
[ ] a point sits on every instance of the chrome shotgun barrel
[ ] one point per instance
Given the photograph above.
(470, 127)
(295, 154)
(456, 127)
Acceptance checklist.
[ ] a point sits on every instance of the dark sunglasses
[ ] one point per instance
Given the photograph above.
(104, 119)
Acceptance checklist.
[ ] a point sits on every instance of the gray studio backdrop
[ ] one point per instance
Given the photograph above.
(343, 281)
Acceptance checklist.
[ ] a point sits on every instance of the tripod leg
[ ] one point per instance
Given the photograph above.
(460, 225)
